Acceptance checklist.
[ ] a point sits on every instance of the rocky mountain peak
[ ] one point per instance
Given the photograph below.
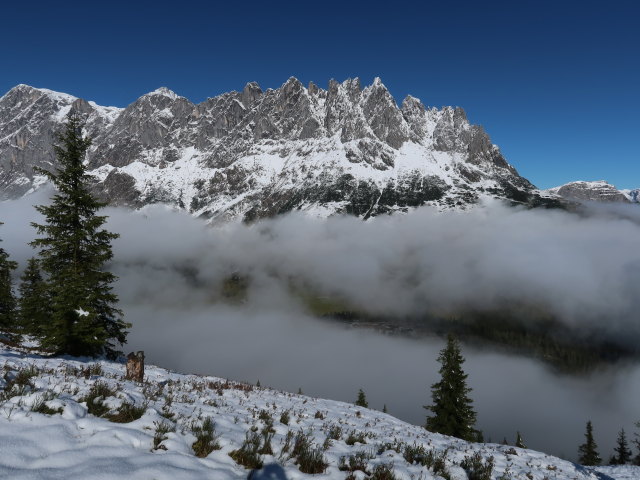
(256, 153)
(251, 93)
(591, 191)
(164, 92)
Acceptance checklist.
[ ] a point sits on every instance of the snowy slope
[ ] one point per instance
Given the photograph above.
(632, 195)
(68, 443)
(256, 153)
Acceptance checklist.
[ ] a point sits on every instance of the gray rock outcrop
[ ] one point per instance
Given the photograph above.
(259, 152)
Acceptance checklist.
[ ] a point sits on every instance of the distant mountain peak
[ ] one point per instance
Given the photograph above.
(591, 191)
(163, 91)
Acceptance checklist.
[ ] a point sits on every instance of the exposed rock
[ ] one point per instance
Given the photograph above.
(599, 191)
(255, 153)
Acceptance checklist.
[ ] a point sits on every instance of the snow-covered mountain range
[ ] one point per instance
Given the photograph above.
(255, 153)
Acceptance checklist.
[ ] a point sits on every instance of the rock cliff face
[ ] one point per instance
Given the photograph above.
(598, 191)
(255, 153)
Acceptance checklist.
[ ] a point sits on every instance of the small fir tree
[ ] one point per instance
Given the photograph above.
(622, 454)
(452, 410)
(362, 399)
(589, 450)
(73, 252)
(384, 408)
(636, 442)
(34, 300)
(7, 298)
(520, 441)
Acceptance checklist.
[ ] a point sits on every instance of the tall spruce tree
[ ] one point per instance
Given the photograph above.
(73, 252)
(622, 454)
(7, 299)
(520, 441)
(34, 300)
(452, 408)
(589, 450)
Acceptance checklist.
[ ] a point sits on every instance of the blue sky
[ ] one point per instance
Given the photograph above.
(554, 83)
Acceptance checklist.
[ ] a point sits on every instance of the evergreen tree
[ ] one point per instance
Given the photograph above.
(7, 299)
(636, 441)
(589, 450)
(362, 399)
(622, 454)
(452, 408)
(384, 408)
(73, 252)
(519, 441)
(34, 300)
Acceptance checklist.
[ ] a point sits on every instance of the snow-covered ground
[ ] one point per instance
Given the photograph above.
(46, 431)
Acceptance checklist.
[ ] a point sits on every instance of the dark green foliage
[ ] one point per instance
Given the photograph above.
(94, 399)
(267, 435)
(206, 438)
(355, 437)
(265, 416)
(335, 432)
(452, 409)
(357, 461)
(285, 416)
(383, 472)
(431, 459)
(310, 458)
(247, 455)
(127, 413)
(24, 376)
(384, 408)
(477, 468)
(623, 453)
(73, 252)
(415, 454)
(160, 435)
(589, 450)
(362, 399)
(636, 441)
(8, 319)
(34, 300)
(534, 332)
(40, 406)
(520, 441)
(301, 443)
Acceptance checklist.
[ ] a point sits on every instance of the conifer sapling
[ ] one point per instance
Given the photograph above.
(452, 410)
(7, 299)
(34, 300)
(622, 454)
(362, 399)
(589, 450)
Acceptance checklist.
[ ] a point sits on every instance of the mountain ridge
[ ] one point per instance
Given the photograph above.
(594, 191)
(252, 153)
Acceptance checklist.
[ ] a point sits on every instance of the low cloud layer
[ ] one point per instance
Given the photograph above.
(583, 268)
